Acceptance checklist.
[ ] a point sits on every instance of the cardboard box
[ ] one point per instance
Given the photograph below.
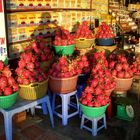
(85, 4)
(19, 117)
(54, 3)
(56, 17)
(21, 4)
(12, 35)
(22, 19)
(25, 44)
(79, 17)
(61, 4)
(31, 17)
(73, 16)
(47, 3)
(11, 4)
(39, 3)
(12, 20)
(73, 3)
(14, 50)
(46, 17)
(40, 18)
(22, 35)
(40, 30)
(32, 31)
(67, 4)
(78, 4)
(31, 4)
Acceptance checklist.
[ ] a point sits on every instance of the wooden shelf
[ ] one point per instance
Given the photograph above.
(20, 41)
(43, 9)
(26, 40)
(123, 31)
(46, 9)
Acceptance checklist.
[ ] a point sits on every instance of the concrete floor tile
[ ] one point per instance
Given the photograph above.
(32, 132)
(15, 137)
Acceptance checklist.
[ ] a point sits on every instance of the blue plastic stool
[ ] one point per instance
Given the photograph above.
(20, 106)
(32, 110)
(80, 89)
(94, 121)
(66, 103)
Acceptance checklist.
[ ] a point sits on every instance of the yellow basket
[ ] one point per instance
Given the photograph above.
(33, 91)
(84, 51)
(83, 43)
(104, 48)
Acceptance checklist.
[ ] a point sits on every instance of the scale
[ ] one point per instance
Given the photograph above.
(125, 112)
(124, 107)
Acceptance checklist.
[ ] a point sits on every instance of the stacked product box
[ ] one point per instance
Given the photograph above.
(31, 24)
(22, 33)
(73, 21)
(67, 4)
(38, 4)
(101, 7)
(11, 4)
(12, 34)
(31, 17)
(21, 4)
(22, 19)
(22, 26)
(54, 3)
(66, 20)
(86, 16)
(73, 3)
(32, 4)
(16, 49)
(85, 4)
(106, 18)
(31, 32)
(12, 20)
(56, 17)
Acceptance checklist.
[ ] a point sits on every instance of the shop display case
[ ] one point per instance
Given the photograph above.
(29, 18)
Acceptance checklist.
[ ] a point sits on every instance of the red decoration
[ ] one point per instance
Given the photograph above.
(1, 10)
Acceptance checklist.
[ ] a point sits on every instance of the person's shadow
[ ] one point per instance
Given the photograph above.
(45, 26)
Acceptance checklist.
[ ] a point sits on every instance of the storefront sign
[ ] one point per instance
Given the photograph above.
(1, 6)
(3, 47)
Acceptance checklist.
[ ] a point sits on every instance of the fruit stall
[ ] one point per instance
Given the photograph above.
(58, 55)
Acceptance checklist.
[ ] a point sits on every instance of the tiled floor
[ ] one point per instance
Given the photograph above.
(39, 128)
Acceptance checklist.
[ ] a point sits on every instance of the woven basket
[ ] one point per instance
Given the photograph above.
(84, 51)
(8, 101)
(33, 91)
(63, 85)
(83, 43)
(104, 48)
(123, 84)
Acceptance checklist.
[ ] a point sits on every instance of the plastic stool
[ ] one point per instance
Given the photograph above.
(32, 110)
(66, 103)
(20, 106)
(94, 121)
